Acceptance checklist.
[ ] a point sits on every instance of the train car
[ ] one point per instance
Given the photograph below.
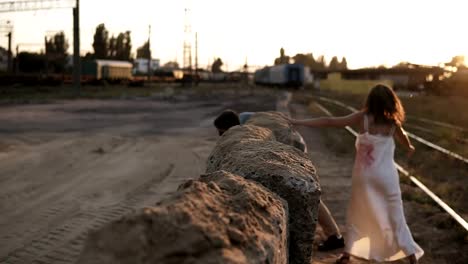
(166, 75)
(284, 75)
(218, 77)
(203, 75)
(109, 70)
(262, 76)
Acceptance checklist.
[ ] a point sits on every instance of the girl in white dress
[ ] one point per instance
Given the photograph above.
(376, 225)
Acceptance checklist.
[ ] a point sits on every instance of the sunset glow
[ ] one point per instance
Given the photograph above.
(367, 33)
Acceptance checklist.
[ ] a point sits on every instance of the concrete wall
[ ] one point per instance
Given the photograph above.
(251, 152)
(219, 218)
(257, 203)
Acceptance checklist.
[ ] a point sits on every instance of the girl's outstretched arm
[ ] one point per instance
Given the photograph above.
(401, 136)
(341, 121)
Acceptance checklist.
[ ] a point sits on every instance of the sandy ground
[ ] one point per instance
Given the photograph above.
(71, 166)
(335, 181)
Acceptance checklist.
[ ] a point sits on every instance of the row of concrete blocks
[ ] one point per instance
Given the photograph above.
(257, 203)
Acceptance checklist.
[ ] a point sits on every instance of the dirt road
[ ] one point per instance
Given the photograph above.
(71, 166)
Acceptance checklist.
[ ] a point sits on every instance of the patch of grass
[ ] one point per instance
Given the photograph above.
(447, 109)
(45, 94)
(414, 196)
(39, 94)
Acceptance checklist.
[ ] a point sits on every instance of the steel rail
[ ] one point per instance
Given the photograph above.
(418, 183)
(411, 135)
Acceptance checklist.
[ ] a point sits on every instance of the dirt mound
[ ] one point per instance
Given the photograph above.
(247, 132)
(284, 170)
(234, 136)
(276, 122)
(221, 218)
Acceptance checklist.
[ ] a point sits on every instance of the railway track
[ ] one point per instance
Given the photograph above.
(404, 171)
(438, 123)
(411, 135)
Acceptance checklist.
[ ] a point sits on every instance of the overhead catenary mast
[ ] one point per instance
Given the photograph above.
(30, 5)
(149, 55)
(7, 27)
(196, 58)
(187, 59)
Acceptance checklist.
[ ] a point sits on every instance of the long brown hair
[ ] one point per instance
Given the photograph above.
(384, 105)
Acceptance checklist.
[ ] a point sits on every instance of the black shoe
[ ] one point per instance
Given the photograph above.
(332, 242)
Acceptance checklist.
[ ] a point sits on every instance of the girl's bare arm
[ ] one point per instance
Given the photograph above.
(341, 121)
(401, 136)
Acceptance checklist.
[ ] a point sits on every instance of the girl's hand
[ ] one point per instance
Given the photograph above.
(411, 151)
(290, 121)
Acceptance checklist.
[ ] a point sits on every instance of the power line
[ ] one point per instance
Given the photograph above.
(31, 5)
(149, 56)
(187, 59)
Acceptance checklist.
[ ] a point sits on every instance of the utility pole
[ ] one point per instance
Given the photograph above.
(196, 59)
(29, 5)
(47, 54)
(76, 48)
(7, 26)
(187, 45)
(9, 67)
(149, 55)
(17, 60)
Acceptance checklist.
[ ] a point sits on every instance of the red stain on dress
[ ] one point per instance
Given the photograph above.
(365, 154)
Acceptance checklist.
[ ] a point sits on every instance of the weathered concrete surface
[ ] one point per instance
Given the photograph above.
(276, 122)
(234, 136)
(221, 218)
(281, 168)
(247, 132)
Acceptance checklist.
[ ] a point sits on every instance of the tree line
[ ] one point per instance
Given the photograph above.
(105, 46)
(111, 48)
(118, 47)
(315, 64)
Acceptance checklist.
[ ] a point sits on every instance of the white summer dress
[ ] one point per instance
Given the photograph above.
(376, 225)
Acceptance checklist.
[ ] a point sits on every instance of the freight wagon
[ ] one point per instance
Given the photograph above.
(284, 75)
(108, 70)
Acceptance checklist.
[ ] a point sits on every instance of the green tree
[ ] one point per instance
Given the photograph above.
(119, 47)
(282, 59)
(171, 65)
(101, 42)
(216, 66)
(144, 51)
(343, 64)
(334, 64)
(127, 46)
(320, 63)
(122, 47)
(112, 48)
(31, 62)
(457, 61)
(305, 59)
(57, 44)
(56, 52)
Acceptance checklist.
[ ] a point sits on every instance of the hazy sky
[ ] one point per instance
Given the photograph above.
(367, 32)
